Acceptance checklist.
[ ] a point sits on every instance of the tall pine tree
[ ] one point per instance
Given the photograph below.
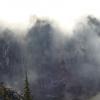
(27, 93)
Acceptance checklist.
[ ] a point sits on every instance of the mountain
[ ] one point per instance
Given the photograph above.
(59, 67)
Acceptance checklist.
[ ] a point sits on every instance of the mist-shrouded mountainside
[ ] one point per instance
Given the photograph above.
(59, 67)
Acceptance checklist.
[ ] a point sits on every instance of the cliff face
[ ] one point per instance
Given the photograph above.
(59, 67)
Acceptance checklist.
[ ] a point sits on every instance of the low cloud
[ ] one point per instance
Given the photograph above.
(59, 66)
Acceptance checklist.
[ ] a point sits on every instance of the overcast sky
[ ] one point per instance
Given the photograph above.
(65, 12)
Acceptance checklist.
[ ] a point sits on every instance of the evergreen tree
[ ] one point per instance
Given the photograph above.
(2, 91)
(27, 93)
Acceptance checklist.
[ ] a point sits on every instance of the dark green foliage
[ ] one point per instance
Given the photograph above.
(8, 94)
(27, 93)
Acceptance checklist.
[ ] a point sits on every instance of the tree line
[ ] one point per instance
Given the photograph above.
(9, 94)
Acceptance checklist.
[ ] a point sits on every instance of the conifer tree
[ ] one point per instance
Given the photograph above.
(2, 90)
(27, 93)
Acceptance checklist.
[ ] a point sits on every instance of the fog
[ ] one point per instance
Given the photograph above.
(59, 66)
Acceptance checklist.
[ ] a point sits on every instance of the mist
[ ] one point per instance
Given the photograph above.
(59, 66)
